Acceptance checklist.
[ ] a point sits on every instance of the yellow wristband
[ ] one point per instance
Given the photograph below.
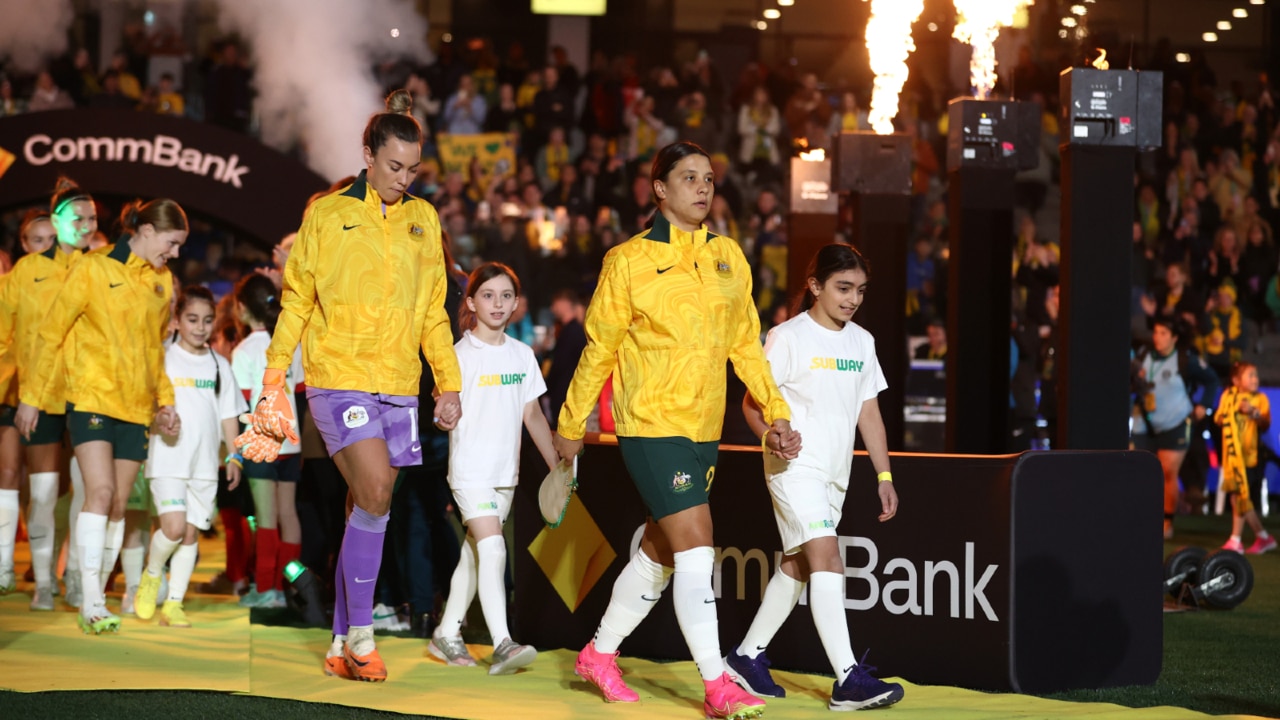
(885, 476)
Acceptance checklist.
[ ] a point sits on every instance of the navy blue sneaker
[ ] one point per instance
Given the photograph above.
(753, 674)
(862, 691)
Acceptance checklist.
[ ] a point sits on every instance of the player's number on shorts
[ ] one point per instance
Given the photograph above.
(711, 477)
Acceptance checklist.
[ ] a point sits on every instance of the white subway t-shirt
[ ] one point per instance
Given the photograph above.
(825, 376)
(497, 382)
(194, 454)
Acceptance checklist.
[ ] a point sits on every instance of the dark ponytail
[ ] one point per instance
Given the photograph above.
(669, 156)
(397, 122)
(66, 191)
(831, 259)
(259, 296)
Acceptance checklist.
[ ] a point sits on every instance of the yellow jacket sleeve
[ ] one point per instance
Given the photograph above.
(437, 334)
(8, 313)
(607, 322)
(71, 301)
(297, 297)
(750, 364)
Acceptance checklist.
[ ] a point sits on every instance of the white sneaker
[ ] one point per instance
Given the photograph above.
(42, 599)
(384, 618)
(360, 641)
(510, 656)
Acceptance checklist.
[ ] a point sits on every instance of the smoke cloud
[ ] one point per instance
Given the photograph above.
(31, 33)
(312, 63)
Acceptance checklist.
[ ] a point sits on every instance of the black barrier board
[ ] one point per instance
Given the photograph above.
(205, 168)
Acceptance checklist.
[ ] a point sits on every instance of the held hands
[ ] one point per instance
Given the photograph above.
(782, 441)
(888, 500)
(448, 411)
(567, 449)
(168, 422)
(25, 420)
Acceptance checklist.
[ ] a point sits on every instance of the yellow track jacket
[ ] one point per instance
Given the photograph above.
(670, 309)
(27, 294)
(363, 292)
(106, 323)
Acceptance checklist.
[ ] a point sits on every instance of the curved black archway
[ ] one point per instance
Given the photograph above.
(207, 169)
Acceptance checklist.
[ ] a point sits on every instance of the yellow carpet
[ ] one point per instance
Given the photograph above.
(224, 652)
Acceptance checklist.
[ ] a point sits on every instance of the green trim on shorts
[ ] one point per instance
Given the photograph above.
(49, 430)
(672, 474)
(6, 415)
(129, 441)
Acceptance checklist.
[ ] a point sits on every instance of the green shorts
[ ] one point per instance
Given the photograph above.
(128, 440)
(672, 474)
(1175, 438)
(6, 415)
(49, 430)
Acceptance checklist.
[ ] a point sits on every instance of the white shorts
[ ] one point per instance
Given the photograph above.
(196, 498)
(475, 502)
(806, 506)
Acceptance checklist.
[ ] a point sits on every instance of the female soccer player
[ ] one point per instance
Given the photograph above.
(58, 238)
(108, 316)
(826, 367)
(364, 289)
(502, 384)
(183, 471)
(673, 305)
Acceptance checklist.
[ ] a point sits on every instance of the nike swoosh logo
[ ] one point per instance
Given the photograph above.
(350, 227)
(115, 285)
(849, 669)
(649, 599)
(415, 448)
(357, 660)
(708, 602)
(761, 648)
(365, 581)
(662, 270)
(42, 279)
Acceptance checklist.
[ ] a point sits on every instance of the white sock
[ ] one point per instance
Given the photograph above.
(826, 600)
(780, 598)
(40, 525)
(113, 538)
(180, 569)
(91, 529)
(490, 570)
(635, 592)
(161, 549)
(73, 515)
(131, 560)
(9, 508)
(695, 603)
(1262, 534)
(462, 591)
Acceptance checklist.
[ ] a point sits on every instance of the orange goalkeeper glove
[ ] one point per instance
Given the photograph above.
(255, 445)
(273, 416)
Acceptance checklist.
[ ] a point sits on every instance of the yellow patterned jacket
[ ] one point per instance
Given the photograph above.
(363, 293)
(28, 293)
(8, 362)
(670, 309)
(106, 324)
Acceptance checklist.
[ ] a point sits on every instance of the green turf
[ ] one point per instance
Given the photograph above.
(1218, 662)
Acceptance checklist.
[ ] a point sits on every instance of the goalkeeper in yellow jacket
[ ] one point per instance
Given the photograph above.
(673, 305)
(364, 290)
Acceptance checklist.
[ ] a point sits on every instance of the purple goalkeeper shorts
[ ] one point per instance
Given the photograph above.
(344, 417)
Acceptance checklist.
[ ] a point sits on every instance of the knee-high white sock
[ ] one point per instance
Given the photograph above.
(131, 560)
(9, 507)
(73, 515)
(40, 525)
(695, 603)
(180, 569)
(462, 591)
(635, 592)
(161, 548)
(491, 567)
(780, 598)
(826, 600)
(91, 530)
(113, 538)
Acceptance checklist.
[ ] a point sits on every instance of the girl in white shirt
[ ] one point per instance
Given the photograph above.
(826, 367)
(501, 384)
(183, 470)
(278, 539)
